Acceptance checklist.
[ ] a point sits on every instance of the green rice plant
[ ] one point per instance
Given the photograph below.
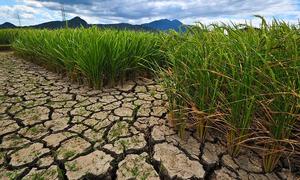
(279, 121)
(7, 36)
(98, 57)
(238, 77)
(238, 96)
(280, 103)
(204, 70)
(191, 87)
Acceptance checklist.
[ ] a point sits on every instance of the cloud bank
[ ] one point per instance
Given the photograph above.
(140, 11)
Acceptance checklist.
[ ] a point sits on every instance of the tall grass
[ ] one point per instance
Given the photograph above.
(100, 57)
(7, 36)
(247, 77)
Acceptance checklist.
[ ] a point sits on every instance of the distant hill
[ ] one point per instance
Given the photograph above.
(72, 23)
(123, 26)
(159, 25)
(7, 25)
(164, 25)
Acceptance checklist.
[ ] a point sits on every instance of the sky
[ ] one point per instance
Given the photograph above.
(142, 11)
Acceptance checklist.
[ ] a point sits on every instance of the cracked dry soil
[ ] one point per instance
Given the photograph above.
(53, 129)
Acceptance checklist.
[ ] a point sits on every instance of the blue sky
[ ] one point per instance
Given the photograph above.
(141, 11)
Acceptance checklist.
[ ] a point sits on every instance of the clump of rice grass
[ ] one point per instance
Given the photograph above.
(98, 57)
(281, 90)
(8, 36)
(247, 77)
(278, 123)
(190, 86)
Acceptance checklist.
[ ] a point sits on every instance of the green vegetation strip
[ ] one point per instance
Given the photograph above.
(238, 79)
(97, 57)
(7, 36)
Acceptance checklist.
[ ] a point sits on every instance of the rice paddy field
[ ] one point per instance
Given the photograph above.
(237, 80)
(96, 57)
(7, 38)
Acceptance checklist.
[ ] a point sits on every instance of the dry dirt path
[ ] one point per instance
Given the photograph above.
(53, 129)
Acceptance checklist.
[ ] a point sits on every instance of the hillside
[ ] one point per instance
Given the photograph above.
(158, 25)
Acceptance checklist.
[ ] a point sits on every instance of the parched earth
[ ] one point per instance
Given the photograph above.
(53, 129)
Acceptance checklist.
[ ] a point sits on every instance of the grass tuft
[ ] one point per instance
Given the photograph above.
(248, 78)
(93, 56)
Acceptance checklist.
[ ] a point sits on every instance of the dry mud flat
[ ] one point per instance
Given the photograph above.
(53, 129)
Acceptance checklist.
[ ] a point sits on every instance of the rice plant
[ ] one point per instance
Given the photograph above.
(191, 88)
(99, 57)
(247, 77)
(7, 36)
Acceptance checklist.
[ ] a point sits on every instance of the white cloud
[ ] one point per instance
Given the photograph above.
(140, 11)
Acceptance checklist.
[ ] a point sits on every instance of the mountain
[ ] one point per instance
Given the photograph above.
(164, 25)
(159, 25)
(7, 25)
(123, 26)
(72, 23)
